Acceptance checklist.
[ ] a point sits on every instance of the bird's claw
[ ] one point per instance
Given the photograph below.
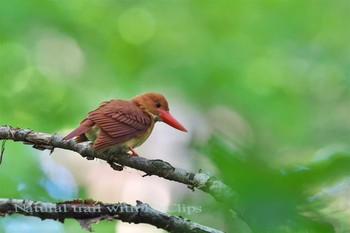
(133, 152)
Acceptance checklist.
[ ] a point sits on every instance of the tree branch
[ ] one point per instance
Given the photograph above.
(89, 211)
(200, 180)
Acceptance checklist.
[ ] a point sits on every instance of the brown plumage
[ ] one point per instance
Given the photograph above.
(121, 125)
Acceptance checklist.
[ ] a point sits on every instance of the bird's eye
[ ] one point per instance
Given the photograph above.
(157, 105)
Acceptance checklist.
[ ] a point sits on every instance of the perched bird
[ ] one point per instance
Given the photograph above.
(121, 125)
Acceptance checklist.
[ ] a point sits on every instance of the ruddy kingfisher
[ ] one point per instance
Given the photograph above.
(121, 125)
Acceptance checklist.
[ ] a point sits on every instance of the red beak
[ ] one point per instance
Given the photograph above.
(170, 120)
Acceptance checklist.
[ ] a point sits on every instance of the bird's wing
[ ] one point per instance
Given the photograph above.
(119, 121)
(84, 126)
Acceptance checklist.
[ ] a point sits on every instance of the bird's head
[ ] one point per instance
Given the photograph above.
(157, 106)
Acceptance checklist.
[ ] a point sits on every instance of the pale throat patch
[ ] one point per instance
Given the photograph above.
(155, 117)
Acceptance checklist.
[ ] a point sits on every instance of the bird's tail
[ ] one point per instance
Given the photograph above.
(84, 126)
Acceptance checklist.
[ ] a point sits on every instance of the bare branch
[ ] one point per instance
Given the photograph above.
(89, 211)
(2, 150)
(200, 180)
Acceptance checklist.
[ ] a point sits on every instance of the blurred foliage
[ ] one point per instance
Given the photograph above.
(281, 68)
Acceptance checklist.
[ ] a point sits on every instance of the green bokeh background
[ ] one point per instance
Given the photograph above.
(283, 67)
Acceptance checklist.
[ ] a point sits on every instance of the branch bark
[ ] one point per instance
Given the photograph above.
(143, 212)
(89, 211)
(200, 180)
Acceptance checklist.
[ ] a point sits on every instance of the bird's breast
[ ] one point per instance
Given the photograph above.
(138, 140)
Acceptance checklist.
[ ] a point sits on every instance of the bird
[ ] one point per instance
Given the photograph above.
(121, 125)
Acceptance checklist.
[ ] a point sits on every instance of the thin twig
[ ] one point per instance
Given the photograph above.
(2, 150)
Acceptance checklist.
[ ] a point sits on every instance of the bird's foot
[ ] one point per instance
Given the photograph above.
(133, 152)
